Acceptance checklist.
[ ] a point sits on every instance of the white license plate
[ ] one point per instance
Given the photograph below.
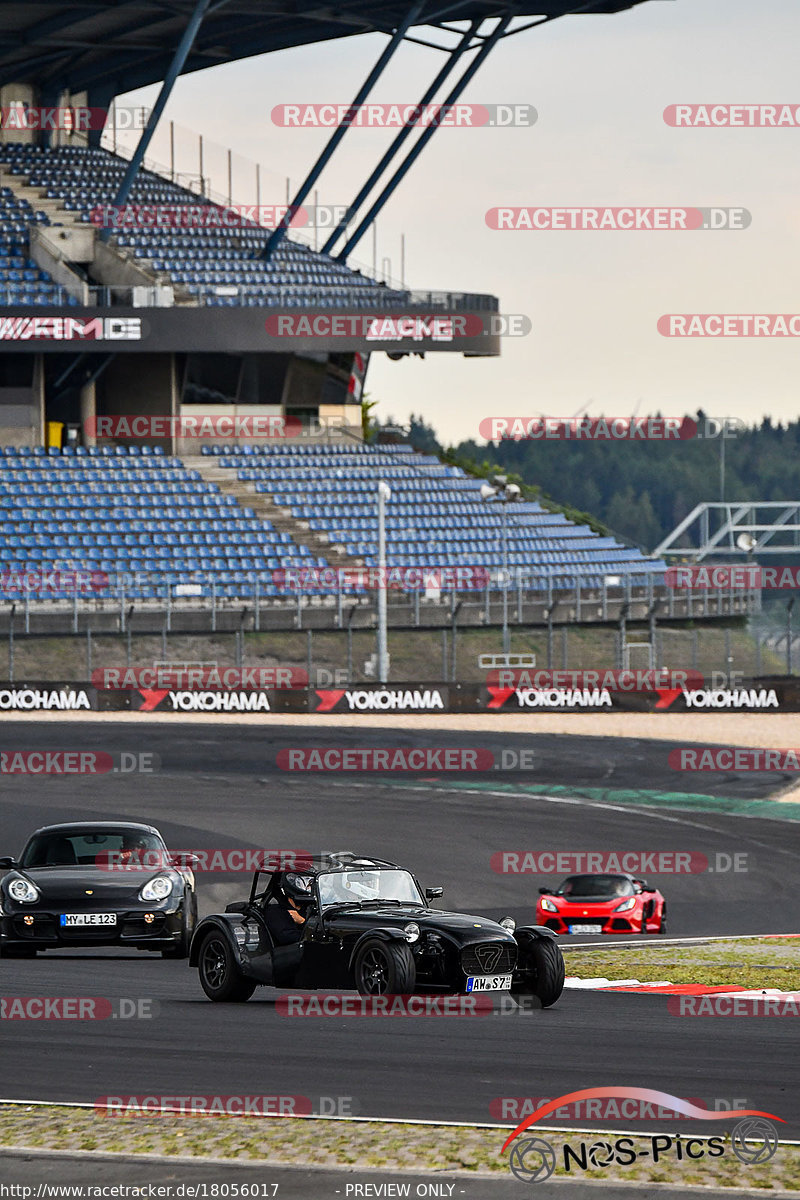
(488, 983)
(88, 918)
(586, 928)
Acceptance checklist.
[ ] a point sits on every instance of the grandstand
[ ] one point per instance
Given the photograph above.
(217, 265)
(172, 319)
(145, 521)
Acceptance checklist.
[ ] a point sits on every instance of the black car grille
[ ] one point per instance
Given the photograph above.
(488, 958)
(136, 926)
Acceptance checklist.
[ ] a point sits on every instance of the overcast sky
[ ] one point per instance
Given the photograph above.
(600, 85)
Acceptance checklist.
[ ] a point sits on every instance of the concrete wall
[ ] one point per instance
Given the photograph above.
(304, 384)
(51, 247)
(22, 411)
(138, 385)
(10, 93)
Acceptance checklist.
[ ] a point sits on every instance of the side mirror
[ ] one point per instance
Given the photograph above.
(433, 893)
(7, 863)
(184, 860)
(239, 907)
(545, 891)
(648, 889)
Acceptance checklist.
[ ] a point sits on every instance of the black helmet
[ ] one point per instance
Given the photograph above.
(297, 887)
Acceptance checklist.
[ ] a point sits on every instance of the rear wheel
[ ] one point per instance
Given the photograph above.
(385, 969)
(544, 972)
(220, 977)
(662, 928)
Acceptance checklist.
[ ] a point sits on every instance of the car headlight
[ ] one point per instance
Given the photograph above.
(626, 904)
(509, 924)
(157, 888)
(23, 891)
(411, 932)
(548, 905)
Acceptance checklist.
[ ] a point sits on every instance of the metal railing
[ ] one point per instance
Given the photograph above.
(553, 600)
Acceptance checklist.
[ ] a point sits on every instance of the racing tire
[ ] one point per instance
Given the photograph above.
(662, 928)
(220, 977)
(384, 969)
(180, 949)
(545, 962)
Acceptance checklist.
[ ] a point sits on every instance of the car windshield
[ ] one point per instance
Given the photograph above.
(353, 887)
(89, 847)
(596, 885)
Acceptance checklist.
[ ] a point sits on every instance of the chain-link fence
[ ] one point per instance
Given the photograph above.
(321, 658)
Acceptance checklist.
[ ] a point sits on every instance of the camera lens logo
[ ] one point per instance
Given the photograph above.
(601, 1154)
(532, 1160)
(754, 1140)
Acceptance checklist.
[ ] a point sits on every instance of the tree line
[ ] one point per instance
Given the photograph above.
(637, 490)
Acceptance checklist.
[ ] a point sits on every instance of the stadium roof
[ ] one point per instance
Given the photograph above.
(113, 47)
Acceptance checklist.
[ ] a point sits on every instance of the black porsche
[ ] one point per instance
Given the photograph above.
(109, 883)
(365, 924)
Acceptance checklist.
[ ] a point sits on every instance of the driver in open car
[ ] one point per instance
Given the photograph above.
(285, 920)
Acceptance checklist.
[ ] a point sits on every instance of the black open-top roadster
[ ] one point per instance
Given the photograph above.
(365, 924)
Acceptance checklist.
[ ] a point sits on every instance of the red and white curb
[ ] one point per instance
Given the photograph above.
(664, 988)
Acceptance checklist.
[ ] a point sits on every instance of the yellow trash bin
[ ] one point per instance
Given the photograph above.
(55, 434)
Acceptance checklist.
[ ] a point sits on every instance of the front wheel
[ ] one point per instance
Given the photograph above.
(385, 969)
(220, 977)
(180, 949)
(544, 968)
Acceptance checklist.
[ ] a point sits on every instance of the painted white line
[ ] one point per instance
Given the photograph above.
(34, 1150)
(655, 940)
(574, 981)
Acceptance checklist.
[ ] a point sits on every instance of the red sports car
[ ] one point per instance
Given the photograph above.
(602, 904)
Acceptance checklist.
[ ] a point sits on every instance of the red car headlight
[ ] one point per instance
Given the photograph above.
(548, 905)
(626, 904)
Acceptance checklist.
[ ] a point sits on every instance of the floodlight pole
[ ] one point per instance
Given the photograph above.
(384, 494)
(175, 68)
(789, 608)
(279, 232)
(506, 635)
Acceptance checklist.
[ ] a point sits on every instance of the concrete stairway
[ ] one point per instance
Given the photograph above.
(281, 519)
(37, 197)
